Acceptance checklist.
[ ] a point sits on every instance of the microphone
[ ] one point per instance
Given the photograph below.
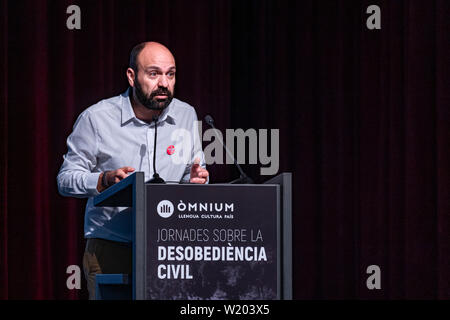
(156, 178)
(243, 177)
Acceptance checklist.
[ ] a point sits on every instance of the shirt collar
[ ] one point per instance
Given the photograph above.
(167, 115)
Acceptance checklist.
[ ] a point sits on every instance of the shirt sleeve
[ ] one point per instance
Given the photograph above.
(197, 150)
(76, 177)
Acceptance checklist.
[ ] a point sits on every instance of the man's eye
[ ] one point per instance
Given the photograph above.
(153, 74)
(171, 74)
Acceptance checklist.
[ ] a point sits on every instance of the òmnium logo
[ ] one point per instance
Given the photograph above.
(165, 208)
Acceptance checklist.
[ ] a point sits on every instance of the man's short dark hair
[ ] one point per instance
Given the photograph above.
(134, 54)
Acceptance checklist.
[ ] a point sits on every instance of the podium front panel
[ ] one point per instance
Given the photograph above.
(212, 242)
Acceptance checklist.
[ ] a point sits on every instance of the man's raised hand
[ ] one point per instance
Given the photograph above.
(108, 178)
(198, 173)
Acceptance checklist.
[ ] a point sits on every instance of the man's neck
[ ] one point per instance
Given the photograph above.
(141, 112)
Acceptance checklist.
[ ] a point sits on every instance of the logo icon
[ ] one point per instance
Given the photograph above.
(165, 208)
(170, 150)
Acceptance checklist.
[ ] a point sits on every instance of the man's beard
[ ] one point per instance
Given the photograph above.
(150, 101)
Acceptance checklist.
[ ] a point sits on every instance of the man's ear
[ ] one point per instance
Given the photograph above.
(130, 77)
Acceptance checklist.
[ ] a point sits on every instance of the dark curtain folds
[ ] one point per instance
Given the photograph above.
(363, 118)
(4, 156)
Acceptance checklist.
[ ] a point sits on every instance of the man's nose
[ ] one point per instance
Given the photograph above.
(162, 81)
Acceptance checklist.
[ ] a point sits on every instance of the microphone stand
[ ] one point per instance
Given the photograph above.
(156, 178)
(244, 179)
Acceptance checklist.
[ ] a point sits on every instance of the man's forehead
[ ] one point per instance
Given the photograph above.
(156, 56)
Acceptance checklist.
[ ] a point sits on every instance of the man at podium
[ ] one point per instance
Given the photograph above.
(116, 136)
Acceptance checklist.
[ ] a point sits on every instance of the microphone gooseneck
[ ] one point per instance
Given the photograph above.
(243, 177)
(156, 178)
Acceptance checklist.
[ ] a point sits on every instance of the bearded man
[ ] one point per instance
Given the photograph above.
(114, 138)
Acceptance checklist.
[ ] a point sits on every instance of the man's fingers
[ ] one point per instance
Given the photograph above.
(198, 173)
(203, 173)
(121, 174)
(198, 180)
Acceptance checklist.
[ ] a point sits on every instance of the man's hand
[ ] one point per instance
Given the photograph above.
(198, 173)
(113, 177)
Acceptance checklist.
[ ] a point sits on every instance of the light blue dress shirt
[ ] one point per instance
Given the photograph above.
(108, 136)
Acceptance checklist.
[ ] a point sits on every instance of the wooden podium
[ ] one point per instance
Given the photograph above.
(215, 241)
